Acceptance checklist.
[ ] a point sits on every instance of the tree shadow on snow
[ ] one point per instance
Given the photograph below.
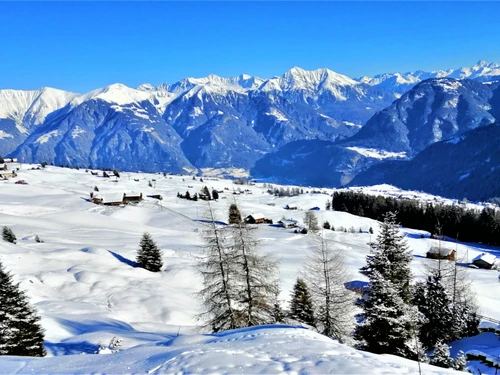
(124, 260)
(69, 348)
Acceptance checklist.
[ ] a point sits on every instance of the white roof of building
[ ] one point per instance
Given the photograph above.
(443, 251)
(257, 216)
(110, 197)
(132, 194)
(486, 257)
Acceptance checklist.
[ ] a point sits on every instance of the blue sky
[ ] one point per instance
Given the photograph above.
(80, 46)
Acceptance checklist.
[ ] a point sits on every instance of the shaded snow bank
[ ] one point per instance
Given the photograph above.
(257, 350)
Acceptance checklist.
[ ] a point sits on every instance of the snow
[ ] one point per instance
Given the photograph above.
(84, 281)
(5, 135)
(377, 154)
(279, 116)
(76, 132)
(352, 124)
(116, 93)
(46, 137)
(32, 105)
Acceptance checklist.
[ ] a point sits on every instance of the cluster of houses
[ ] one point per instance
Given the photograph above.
(9, 168)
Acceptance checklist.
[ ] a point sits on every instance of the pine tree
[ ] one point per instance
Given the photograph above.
(20, 331)
(441, 356)
(8, 235)
(388, 323)
(311, 221)
(325, 275)
(216, 267)
(460, 363)
(301, 305)
(149, 255)
(434, 303)
(234, 214)
(391, 257)
(326, 225)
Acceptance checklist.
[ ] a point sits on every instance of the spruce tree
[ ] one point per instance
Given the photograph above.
(301, 305)
(20, 331)
(234, 214)
(8, 235)
(434, 303)
(388, 323)
(215, 194)
(149, 256)
(390, 257)
(441, 356)
(206, 192)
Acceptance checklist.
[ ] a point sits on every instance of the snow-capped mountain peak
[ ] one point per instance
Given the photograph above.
(116, 93)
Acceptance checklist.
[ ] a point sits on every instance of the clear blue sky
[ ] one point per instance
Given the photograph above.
(80, 46)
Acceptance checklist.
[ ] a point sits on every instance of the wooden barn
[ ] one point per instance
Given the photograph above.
(107, 199)
(290, 207)
(255, 219)
(132, 197)
(444, 253)
(485, 260)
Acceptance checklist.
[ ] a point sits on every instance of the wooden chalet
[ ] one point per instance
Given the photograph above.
(255, 219)
(290, 207)
(156, 196)
(132, 197)
(108, 199)
(441, 253)
(485, 260)
(288, 223)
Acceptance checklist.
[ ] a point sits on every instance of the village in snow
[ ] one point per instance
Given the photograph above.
(77, 236)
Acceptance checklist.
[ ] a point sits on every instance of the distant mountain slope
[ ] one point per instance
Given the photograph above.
(433, 110)
(107, 128)
(21, 111)
(467, 166)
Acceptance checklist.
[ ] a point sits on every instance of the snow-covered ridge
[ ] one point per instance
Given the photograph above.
(378, 154)
(32, 105)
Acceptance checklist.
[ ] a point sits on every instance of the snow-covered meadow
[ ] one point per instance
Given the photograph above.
(83, 279)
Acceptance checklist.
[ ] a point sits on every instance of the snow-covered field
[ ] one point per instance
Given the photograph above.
(83, 280)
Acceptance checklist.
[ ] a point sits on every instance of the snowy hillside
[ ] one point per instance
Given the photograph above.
(84, 281)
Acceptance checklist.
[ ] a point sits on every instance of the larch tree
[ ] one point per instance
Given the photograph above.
(149, 255)
(255, 275)
(311, 221)
(216, 267)
(325, 274)
(301, 304)
(20, 331)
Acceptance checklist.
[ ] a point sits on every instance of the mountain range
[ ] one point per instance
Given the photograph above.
(306, 126)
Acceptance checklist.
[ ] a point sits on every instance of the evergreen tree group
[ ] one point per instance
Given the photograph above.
(472, 225)
(20, 331)
(234, 214)
(149, 255)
